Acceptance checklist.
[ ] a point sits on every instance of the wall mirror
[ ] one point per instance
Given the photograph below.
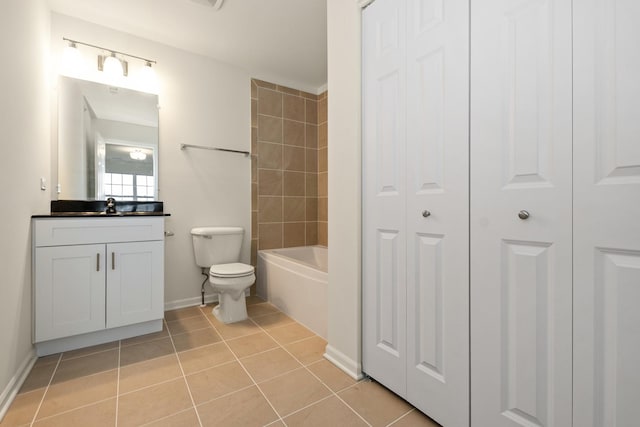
(107, 142)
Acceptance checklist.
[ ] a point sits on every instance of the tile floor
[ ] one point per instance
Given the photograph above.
(265, 371)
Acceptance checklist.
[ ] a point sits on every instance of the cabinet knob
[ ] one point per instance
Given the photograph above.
(523, 214)
(426, 213)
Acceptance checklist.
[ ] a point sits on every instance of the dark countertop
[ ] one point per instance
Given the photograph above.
(97, 209)
(99, 215)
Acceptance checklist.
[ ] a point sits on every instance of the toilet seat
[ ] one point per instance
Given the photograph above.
(234, 269)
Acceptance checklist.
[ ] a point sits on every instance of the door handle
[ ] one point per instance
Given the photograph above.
(426, 213)
(113, 260)
(98, 261)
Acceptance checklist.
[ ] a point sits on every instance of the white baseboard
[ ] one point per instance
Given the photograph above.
(346, 364)
(11, 390)
(190, 302)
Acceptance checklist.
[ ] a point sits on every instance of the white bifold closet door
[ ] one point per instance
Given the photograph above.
(415, 203)
(606, 213)
(521, 220)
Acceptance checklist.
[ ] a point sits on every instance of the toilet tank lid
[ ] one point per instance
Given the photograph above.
(210, 231)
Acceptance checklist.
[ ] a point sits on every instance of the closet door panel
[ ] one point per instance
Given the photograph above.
(437, 209)
(607, 208)
(384, 194)
(521, 159)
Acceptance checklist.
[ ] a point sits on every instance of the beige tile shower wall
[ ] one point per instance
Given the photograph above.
(286, 160)
(323, 170)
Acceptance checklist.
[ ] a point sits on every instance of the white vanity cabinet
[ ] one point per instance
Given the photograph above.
(96, 280)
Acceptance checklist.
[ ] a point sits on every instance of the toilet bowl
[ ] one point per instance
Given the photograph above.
(218, 249)
(231, 281)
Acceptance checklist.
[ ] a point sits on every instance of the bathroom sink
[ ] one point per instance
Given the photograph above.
(97, 208)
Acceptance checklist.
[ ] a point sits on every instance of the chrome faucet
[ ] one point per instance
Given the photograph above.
(111, 205)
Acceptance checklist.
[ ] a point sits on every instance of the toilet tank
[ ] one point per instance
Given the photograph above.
(216, 245)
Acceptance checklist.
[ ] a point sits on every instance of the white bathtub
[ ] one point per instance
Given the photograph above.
(295, 281)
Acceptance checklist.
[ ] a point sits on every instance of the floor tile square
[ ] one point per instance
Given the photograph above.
(293, 391)
(261, 309)
(237, 329)
(308, 350)
(46, 360)
(90, 350)
(290, 333)
(23, 408)
(274, 320)
(181, 326)
(254, 299)
(333, 377)
(269, 364)
(78, 392)
(329, 412)
(86, 365)
(215, 382)
(246, 408)
(145, 351)
(164, 333)
(251, 344)
(158, 402)
(374, 403)
(149, 372)
(101, 414)
(204, 357)
(182, 313)
(195, 339)
(39, 377)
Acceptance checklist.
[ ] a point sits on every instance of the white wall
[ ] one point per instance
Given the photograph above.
(73, 154)
(203, 102)
(24, 158)
(343, 20)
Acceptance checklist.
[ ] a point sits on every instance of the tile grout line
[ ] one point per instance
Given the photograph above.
(184, 377)
(242, 366)
(226, 395)
(316, 377)
(67, 411)
(152, 385)
(35, 415)
(89, 354)
(400, 417)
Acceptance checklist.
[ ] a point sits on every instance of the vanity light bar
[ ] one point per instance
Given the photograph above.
(75, 42)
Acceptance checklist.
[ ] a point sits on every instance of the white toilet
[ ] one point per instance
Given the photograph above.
(218, 249)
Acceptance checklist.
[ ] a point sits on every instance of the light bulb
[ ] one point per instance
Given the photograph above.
(72, 63)
(112, 67)
(147, 79)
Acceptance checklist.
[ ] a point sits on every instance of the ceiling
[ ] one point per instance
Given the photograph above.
(120, 104)
(283, 41)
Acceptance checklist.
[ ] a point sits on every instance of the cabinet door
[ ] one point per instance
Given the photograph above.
(384, 196)
(606, 213)
(69, 290)
(437, 163)
(135, 282)
(521, 159)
